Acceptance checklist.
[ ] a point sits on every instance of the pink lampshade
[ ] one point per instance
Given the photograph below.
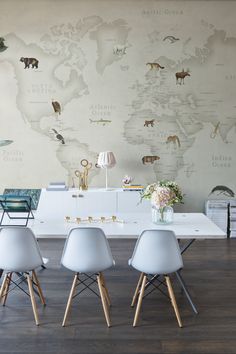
(106, 159)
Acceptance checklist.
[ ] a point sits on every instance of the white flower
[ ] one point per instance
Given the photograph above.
(163, 193)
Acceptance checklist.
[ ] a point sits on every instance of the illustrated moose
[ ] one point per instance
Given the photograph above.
(180, 76)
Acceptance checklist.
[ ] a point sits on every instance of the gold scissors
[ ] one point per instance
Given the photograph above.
(87, 165)
(83, 176)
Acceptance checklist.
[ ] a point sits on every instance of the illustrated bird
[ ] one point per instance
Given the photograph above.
(56, 106)
(172, 39)
(5, 142)
(58, 136)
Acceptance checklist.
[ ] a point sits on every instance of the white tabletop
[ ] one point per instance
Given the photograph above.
(185, 226)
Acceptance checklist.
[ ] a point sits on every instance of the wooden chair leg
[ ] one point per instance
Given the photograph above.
(4, 283)
(70, 299)
(31, 291)
(139, 301)
(108, 299)
(137, 290)
(36, 281)
(174, 303)
(8, 282)
(103, 298)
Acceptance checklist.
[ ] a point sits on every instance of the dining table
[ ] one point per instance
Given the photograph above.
(188, 227)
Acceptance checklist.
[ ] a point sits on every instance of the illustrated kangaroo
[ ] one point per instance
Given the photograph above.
(173, 139)
(149, 122)
(155, 65)
(180, 76)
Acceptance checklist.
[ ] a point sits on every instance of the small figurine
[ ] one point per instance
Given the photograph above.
(127, 179)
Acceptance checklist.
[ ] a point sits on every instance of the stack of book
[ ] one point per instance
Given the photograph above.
(217, 211)
(232, 218)
(57, 186)
(133, 187)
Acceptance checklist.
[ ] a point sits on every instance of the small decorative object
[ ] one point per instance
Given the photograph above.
(127, 180)
(106, 160)
(163, 195)
(83, 176)
(92, 220)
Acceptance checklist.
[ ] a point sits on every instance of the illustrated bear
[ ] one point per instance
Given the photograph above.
(30, 61)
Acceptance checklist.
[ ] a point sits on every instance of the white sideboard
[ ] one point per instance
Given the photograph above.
(75, 203)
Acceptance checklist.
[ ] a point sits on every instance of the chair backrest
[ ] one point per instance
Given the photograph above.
(19, 250)
(87, 251)
(157, 252)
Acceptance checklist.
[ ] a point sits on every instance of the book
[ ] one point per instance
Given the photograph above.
(57, 186)
(133, 187)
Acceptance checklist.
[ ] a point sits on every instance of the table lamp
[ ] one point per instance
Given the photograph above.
(106, 160)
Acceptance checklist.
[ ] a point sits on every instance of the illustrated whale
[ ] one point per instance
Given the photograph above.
(5, 142)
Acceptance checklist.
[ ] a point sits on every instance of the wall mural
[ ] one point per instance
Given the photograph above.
(153, 83)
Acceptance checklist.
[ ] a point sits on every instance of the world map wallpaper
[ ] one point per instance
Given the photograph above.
(152, 81)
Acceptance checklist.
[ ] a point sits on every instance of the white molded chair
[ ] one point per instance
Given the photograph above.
(87, 251)
(20, 254)
(156, 252)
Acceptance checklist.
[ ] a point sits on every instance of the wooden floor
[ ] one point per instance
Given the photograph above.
(210, 272)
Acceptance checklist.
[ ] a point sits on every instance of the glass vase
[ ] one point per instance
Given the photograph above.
(164, 215)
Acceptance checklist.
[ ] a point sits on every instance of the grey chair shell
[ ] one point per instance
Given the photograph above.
(19, 250)
(157, 252)
(87, 251)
